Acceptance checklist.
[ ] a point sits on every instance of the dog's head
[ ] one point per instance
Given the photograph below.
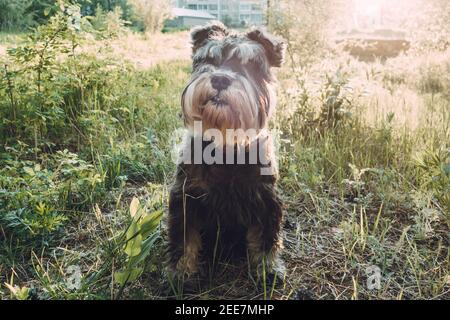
(231, 84)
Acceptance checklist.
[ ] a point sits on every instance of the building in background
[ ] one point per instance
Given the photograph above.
(186, 18)
(231, 12)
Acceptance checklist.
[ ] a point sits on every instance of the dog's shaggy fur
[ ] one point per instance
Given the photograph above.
(221, 211)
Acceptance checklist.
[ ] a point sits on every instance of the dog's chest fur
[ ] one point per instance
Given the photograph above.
(234, 194)
(224, 201)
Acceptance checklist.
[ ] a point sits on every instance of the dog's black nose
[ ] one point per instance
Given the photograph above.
(220, 82)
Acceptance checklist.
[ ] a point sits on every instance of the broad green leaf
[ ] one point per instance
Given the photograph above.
(18, 292)
(133, 246)
(132, 231)
(134, 207)
(147, 244)
(23, 293)
(150, 223)
(122, 277)
(135, 273)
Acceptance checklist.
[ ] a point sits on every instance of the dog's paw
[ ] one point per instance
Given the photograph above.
(187, 266)
(270, 271)
(278, 271)
(180, 286)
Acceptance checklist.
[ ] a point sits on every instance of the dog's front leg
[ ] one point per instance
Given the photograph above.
(264, 241)
(184, 237)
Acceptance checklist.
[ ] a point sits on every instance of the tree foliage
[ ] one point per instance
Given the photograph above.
(21, 14)
(13, 14)
(151, 13)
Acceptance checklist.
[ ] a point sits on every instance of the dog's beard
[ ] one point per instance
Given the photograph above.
(237, 107)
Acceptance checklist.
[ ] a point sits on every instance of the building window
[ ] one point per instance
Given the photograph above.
(257, 18)
(192, 6)
(213, 7)
(203, 7)
(256, 7)
(245, 7)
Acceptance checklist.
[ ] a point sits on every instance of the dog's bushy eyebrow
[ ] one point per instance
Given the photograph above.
(249, 55)
(210, 52)
(241, 48)
(202, 34)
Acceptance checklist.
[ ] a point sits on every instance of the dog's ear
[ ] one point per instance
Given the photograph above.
(275, 47)
(200, 35)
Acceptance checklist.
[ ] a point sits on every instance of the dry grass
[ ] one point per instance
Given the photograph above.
(146, 50)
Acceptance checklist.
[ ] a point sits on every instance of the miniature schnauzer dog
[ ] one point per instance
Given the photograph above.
(227, 209)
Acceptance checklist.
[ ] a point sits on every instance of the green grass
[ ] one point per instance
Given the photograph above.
(368, 189)
(10, 38)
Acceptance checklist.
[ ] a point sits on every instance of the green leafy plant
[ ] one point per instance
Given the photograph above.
(36, 196)
(108, 25)
(14, 15)
(18, 293)
(139, 240)
(335, 100)
(29, 76)
(434, 175)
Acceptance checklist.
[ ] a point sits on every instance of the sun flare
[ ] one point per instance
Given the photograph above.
(373, 14)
